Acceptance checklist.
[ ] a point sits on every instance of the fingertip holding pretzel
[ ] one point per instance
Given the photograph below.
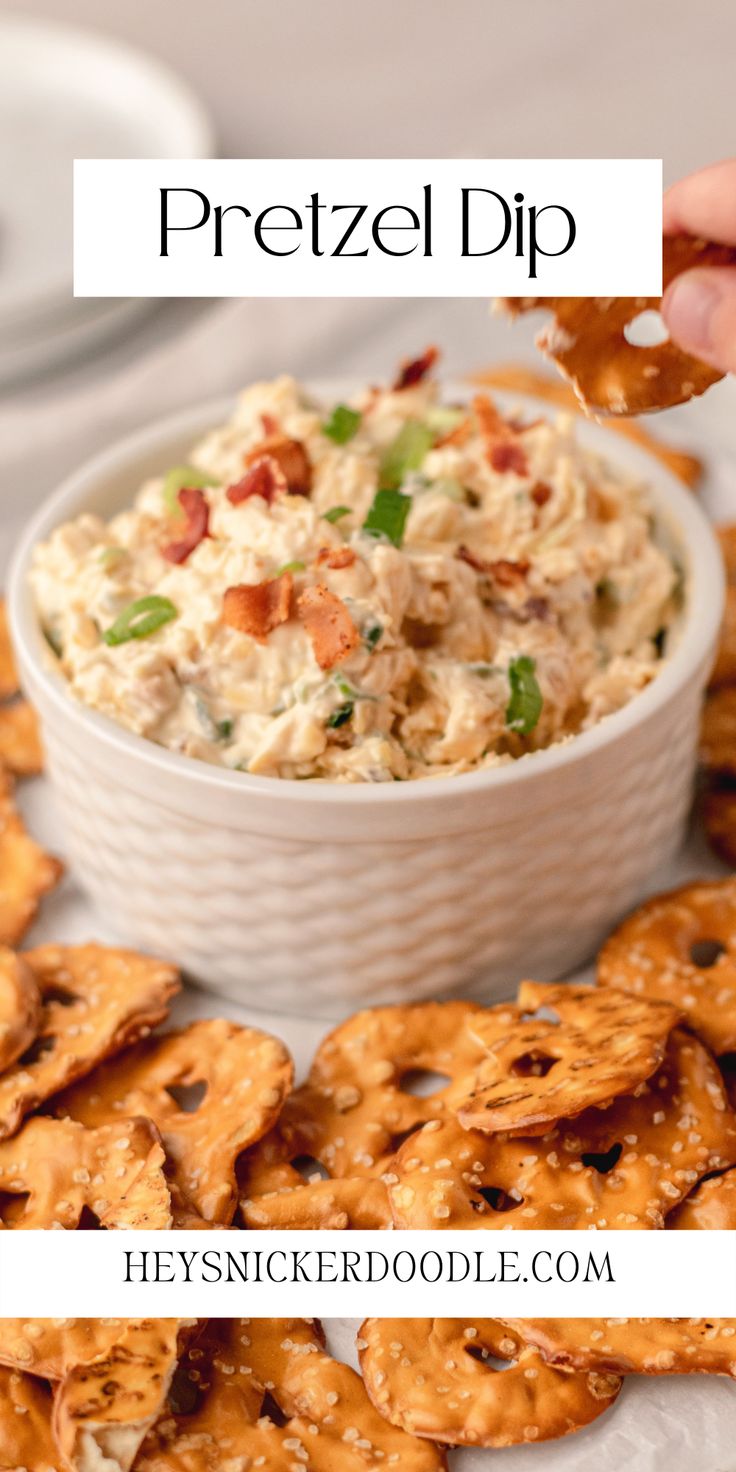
(245, 1075)
(634, 1346)
(680, 947)
(585, 1051)
(587, 340)
(437, 1378)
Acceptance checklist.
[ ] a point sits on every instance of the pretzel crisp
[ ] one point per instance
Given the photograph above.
(680, 947)
(26, 1443)
(724, 670)
(434, 1377)
(49, 1348)
(538, 1070)
(276, 1192)
(55, 1171)
(718, 810)
(718, 732)
(634, 1346)
(8, 671)
(27, 872)
(20, 1007)
(609, 374)
(246, 1075)
(624, 1167)
(95, 1001)
(104, 1408)
(266, 1394)
(21, 752)
(712, 1206)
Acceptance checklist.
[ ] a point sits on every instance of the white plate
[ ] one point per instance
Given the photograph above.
(65, 94)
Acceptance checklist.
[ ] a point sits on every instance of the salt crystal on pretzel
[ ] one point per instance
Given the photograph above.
(277, 1193)
(634, 1346)
(27, 872)
(104, 1408)
(265, 1393)
(55, 1172)
(246, 1075)
(291, 458)
(331, 630)
(711, 1207)
(20, 1007)
(95, 1000)
(437, 1378)
(680, 947)
(536, 1070)
(258, 608)
(623, 1168)
(26, 1443)
(21, 752)
(8, 671)
(609, 374)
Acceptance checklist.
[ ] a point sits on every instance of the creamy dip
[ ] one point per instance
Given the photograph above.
(376, 591)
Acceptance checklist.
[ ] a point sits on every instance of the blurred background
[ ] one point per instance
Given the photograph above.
(333, 77)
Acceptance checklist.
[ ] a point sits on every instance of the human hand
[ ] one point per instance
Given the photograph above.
(699, 307)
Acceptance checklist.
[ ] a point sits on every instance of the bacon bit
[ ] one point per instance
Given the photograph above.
(270, 424)
(197, 513)
(329, 626)
(502, 570)
(291, 458)
(257, 608)
(414, 370)
(540, 493)
(336, 557)
(503, 450)
(265, 478)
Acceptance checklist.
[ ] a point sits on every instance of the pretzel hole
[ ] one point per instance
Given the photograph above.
(705, 953)
(603, 1161)
(184, 1393)
(422, 1082)
(646, 330)
(497, 1199)
(59, 996)
(271, 1408)
(484, 1357)
(310, 1169)
(12, 1207)
(187, 1097)
(533, 1065)
(38, 1048)
(89, 1221)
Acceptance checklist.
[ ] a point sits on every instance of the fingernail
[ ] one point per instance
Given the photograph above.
(689, 306)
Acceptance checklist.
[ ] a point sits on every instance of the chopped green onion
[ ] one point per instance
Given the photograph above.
(109, 555)
(483, 671)
(216, 730)
(54, 642)
(525, 706)
(342, 424)
(184, 477)
(371, 635)
(140, 619)
(387, 516)
(442, 419)
(405, 454)
(340, 716)
(290, 567)
(349, 691)
(336, 513)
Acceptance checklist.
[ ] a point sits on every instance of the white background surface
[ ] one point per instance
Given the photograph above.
(421, 77)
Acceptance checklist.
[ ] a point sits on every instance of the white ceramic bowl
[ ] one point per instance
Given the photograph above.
(318, 898)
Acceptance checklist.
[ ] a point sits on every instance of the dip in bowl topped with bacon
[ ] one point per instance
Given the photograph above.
(377, 590)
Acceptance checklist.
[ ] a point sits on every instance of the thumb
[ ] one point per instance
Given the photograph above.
(699, 310)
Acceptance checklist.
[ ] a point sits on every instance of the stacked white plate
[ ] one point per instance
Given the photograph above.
(65, 94)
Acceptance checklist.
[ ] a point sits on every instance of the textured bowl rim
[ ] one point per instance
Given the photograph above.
(675, 505)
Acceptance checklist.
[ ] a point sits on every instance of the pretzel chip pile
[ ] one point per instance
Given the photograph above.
(609, 373)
